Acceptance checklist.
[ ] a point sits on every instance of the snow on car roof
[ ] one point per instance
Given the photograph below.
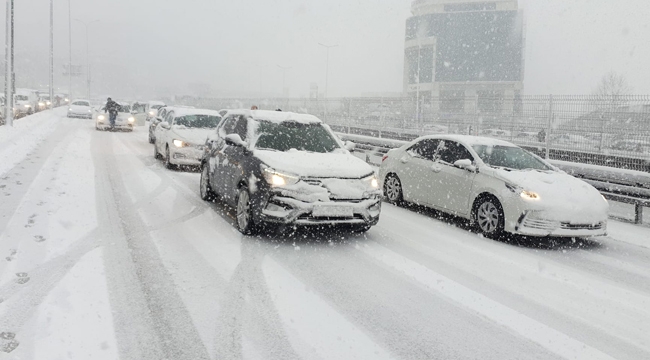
(471, 140)
(277, 116)
(75, 100)
(156, 103)
(181, 111)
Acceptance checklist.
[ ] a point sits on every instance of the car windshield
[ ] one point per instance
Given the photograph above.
(509, 157)
(198, 121)
(156, 107)
(289, 135)
(81, 103)
(21, 97)
(124, 108)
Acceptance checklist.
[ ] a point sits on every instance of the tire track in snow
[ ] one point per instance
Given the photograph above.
(151, 319)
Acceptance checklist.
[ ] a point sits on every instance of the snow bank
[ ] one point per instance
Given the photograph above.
(18, 141)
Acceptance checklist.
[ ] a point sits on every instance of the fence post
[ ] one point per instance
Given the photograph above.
(549, 125)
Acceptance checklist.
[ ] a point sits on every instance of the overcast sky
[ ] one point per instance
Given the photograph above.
(236, 46)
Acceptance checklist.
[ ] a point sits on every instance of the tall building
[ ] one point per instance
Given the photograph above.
(460, 52)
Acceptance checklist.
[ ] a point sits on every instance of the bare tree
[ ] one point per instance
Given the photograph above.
(612, 89)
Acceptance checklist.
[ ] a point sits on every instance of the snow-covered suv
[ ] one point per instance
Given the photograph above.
(287, 168)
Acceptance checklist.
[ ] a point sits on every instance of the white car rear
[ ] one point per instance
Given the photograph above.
(497, 185)
(80, 109)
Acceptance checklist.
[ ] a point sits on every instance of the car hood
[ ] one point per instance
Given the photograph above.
(342, 165)
(193, 136)
(564, 196)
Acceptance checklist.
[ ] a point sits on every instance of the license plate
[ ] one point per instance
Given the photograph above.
(332, 211)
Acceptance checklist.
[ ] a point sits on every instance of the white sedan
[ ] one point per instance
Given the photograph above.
(124, 121)
(497, 185)
(181, 136)
(80, 109)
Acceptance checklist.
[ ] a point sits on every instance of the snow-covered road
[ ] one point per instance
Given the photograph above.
(105, 254)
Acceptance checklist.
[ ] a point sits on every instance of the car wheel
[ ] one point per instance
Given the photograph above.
(488, 216)
(206, 190)
(156, 154)
(168, 159)
(151, 139)
(393, 190)
(245, 213)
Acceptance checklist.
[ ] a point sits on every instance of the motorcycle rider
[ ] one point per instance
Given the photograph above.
(111, 108)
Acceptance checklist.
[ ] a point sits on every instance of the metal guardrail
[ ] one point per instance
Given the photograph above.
(626, 186)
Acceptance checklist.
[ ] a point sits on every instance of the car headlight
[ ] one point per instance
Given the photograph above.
(66, 100)
(41, 104)
(529, 195)
(27, 106)
(131, 119)
(180, 143)
(69, 109)
(90, 111)
(49, 103)
(279, 179)
(151, 113)
(371, 181)
(101, 117)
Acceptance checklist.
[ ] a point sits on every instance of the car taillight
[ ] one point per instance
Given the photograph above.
(384, 158)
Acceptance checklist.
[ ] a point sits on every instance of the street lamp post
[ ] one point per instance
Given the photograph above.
(327, 65)
(9, 65)
(284, 73)
(86, 25)
(70, 50)
(51, 54)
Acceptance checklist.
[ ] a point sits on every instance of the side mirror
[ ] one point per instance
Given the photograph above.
(235, 140)
(165, 125)
(465, 164)
(349, 146)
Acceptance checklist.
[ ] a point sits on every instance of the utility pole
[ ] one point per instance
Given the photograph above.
(70, 49)
(284, 73)
(87, 53)
(51, 54)
(327, 65)
(9, 70)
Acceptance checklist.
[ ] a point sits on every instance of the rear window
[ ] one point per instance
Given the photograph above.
(81, 103)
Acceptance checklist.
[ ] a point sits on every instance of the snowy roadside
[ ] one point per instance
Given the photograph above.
(17, 141)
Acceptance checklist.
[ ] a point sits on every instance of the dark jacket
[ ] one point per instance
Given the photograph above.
(111, 107)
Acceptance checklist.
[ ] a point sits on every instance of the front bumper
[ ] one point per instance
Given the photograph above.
(532, 225)
(284, 210)
(105, 124)
(190, 155)
(77, 115)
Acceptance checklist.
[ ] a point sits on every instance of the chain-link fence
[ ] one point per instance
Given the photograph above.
(602, 130)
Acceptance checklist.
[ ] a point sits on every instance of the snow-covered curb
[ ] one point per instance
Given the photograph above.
(18, 141)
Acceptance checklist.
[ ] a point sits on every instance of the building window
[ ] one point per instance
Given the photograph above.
(452, 101)
(490, 102)
(471, 7)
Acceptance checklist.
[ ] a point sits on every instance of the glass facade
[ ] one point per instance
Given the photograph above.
(473, 46)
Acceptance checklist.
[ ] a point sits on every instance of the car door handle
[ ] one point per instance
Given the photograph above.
(436, 168)
(404, 160)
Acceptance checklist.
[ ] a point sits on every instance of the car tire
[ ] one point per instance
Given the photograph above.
(393, 190)
(244, 213)
(151, 140)
(206, 190)
(156, 154)
(488, 216)
(168, 159)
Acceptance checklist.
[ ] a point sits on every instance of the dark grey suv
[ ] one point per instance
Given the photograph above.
(286, 168)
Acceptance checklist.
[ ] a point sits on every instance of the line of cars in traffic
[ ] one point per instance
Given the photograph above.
(285, 169)
(28, 101)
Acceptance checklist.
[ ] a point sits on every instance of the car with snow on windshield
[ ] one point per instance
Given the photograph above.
(180, 138)
(80, 109)
(282, 168)
(498, 186)
(152, 108)
(124, 120)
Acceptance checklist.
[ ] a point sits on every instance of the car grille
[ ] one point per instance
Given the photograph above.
(540, 224)
(568, 226)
